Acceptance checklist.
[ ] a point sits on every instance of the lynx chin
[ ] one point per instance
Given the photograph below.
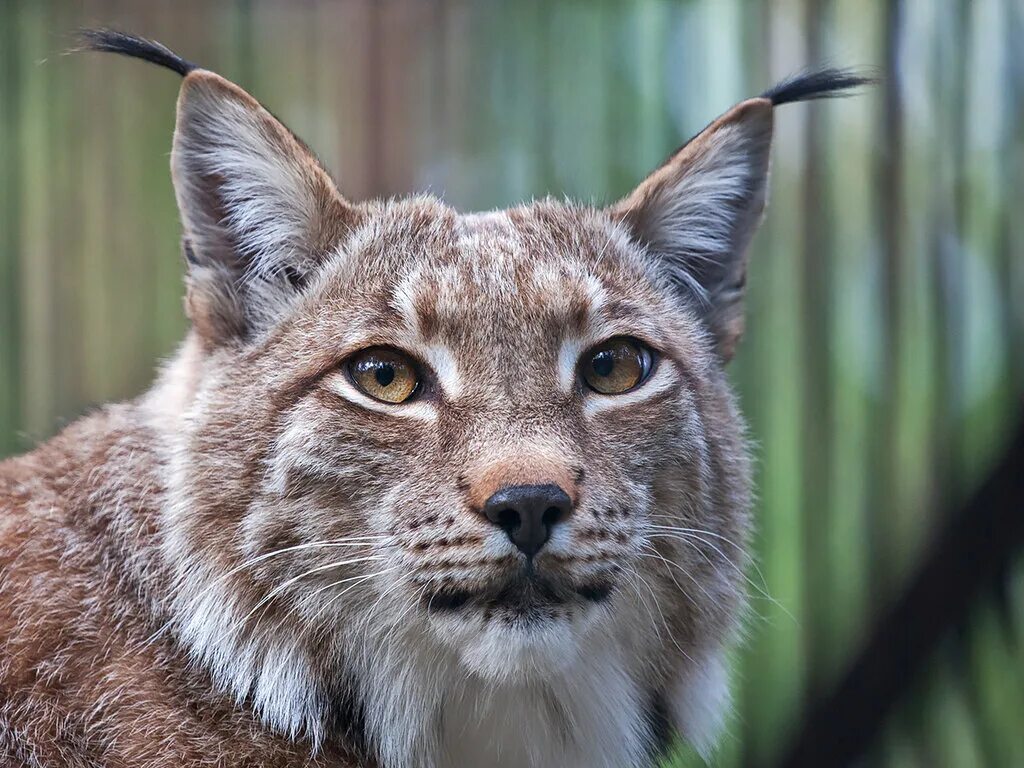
(420, 488)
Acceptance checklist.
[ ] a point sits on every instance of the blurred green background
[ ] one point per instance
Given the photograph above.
(884, 361)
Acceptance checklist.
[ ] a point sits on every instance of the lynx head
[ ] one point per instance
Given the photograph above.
(431, 471)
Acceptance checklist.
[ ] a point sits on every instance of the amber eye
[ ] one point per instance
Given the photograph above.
(384, 374)
(616, 366)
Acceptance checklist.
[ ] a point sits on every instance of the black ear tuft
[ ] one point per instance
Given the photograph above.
(826, 83)
(112, 41)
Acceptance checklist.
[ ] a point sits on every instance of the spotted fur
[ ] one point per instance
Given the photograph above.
(256, 564)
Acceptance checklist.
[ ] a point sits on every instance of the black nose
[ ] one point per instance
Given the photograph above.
(527, 513)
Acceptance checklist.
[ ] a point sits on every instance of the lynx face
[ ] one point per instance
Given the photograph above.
(463, 489)
(506, 505)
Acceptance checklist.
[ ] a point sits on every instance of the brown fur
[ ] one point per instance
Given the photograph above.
(156, 558)
(83, 684)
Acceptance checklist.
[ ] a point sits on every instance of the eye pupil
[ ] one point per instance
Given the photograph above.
(385, 374)
(603, 363)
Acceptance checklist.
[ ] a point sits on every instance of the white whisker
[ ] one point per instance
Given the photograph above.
(712, 534)
(664, 621)
(652, 553)
(689, 537)
(356, 581)
(349, 541)
(385, 642)
(288, 582)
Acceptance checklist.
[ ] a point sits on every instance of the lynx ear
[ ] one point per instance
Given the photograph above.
(259, 212)
(698, 211)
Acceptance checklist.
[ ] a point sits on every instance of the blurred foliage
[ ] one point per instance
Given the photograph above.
(883, 362)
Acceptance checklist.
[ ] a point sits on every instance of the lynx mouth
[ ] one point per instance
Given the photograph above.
(447, 601)
(524, 596)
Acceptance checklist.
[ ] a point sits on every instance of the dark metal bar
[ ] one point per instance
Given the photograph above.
(816, 282)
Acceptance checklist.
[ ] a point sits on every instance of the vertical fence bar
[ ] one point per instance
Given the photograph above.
(889, 212)
(39, 406)
(159, 213)
(10, 240)
(947, 270)
(750, 364)
(375, 99)
(778, 662)
(816, 414)
(1011, 240)
(883, 552)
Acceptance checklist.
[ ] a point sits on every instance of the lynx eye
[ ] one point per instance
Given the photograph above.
(384, 374)
(616, 366)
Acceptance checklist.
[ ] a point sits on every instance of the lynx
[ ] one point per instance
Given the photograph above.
(419, 489)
